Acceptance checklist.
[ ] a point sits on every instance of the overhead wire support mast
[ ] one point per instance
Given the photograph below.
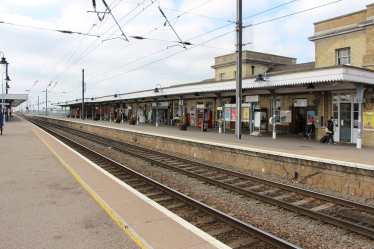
(105, 12)
(181, 42)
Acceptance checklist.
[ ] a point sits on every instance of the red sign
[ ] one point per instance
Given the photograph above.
(233, 114)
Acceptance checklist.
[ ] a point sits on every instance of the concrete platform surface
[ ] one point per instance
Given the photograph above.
(286, 144)
(51, 197)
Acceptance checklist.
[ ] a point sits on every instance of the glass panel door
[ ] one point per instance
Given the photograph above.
(345, 122)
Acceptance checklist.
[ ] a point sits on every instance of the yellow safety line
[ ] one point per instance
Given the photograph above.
(94, 195)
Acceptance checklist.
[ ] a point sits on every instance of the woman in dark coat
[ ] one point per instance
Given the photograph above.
(1, 122)
(330, 134)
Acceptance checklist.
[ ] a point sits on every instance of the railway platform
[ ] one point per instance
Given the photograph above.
(53, 198)
(284, 143)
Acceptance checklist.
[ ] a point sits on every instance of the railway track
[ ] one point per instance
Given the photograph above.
(350, 216)
(225, 228)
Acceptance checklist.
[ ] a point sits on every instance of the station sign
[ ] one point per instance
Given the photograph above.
(160, 104)
(300, 103)
(253, 98)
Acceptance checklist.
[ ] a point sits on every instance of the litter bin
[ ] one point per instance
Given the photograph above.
(220, 122)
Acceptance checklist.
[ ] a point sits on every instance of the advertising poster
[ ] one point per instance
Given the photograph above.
(233, 114)
(227, 114)
(368, 121)
(310, 117)
(245, 114)
(192, 111)
(285, 116)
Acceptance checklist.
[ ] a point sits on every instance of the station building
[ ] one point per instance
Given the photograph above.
(338, 83)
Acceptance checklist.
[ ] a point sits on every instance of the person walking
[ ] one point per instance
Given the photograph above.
(308, 131)
(330, 131)
(1, 122)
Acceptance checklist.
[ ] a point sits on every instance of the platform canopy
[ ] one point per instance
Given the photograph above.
(334, 78)
(14, 100)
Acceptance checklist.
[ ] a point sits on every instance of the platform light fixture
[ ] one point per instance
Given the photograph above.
(310, 86)
(115, 94)
(3, 61)
(260, 78)
(158, 89)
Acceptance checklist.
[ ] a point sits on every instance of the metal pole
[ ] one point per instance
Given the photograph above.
(38, 106)
(2, 99)
(274, 108)
(46, 102)
(238, 124)
(251, 119)
(156, 112)
(83, 94)
(360, 94)
(224, 119)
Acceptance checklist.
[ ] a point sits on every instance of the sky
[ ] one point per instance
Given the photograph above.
(42, 58)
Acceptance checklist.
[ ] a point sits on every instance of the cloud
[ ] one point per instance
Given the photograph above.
(117, 65)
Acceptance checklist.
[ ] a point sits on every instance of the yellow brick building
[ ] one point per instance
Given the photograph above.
(341, 42)
(347, 40)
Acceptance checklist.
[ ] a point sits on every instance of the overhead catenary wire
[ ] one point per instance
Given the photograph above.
(126, 45)
(208, 41)
(225, 34)
(68, 52)
(165, 57)
(188, 39)
(81, 57)
(298, 12)
(54, 30)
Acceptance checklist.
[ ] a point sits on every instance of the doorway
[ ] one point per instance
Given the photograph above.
(299, 119)
(345, 113)
(345, 122)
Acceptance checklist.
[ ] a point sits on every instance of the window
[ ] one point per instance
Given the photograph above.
(176, 109)
(234, 74)
(222, 76)
(209, 105)
(343, 56)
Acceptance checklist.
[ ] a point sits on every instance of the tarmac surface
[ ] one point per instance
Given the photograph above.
(51, 197)
(42, 205)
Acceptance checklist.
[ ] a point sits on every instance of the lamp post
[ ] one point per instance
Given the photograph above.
(46, 102)
(157, 90)
(92, 106)
(114, 111)
(5, 64)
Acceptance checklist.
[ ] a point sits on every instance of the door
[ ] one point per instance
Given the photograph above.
(345, 122)
(299, 119)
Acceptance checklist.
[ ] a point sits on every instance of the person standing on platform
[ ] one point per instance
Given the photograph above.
(1, 122)
(330, 132)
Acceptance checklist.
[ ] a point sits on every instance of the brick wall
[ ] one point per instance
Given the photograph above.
(368, 59)
(370, 10)
(326, 49)
(368, 136)
(314, 172)
(340, 21)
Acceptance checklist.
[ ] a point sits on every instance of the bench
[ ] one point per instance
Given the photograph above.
(281, 128)
(97, 116)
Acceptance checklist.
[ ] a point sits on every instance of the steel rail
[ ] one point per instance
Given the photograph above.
(262, 235)
(304, 211)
